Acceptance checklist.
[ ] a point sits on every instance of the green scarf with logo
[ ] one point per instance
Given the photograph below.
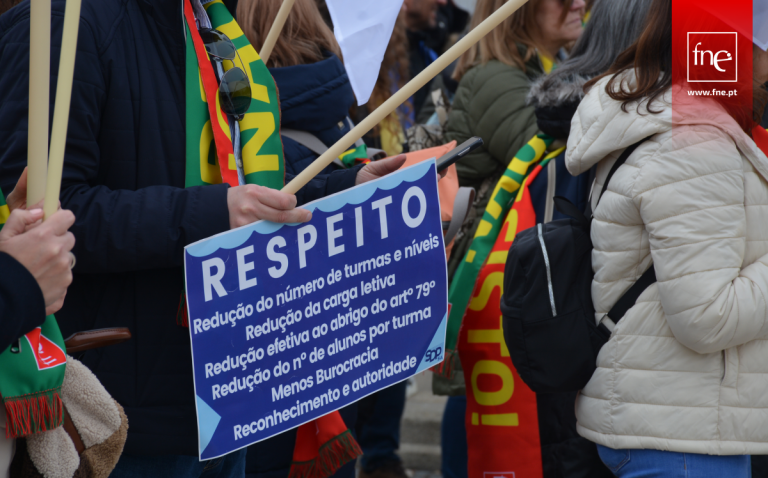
(31, 374)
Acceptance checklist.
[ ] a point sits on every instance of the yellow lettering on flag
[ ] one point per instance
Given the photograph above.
(264, 124)
(493, 281)
(496, 419)
(493, 367)
(209, 173)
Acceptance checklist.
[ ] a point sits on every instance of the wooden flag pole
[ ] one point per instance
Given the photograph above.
(61, 111)
(403, 94)
(39, 92)
(274, 32)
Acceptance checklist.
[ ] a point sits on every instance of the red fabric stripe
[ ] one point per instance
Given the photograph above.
(211, 87)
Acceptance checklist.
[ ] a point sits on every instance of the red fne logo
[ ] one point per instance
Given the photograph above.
(713, 57)
(47, 353)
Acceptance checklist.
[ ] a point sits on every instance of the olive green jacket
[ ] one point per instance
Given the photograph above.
(490, 103)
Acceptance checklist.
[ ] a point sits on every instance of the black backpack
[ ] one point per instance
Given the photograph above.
(549, 319)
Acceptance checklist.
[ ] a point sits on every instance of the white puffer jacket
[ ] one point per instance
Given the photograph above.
(686, 369)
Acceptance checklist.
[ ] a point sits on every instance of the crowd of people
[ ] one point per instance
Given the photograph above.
(680, 386)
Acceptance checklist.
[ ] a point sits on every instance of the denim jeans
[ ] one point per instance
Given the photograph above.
(668, 464)
(453, 439)
(181, 466)
(378, 426)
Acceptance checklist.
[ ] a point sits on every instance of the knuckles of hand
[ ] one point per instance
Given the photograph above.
(283, 217)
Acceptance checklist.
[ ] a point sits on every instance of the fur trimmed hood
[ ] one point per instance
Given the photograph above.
(556, 99)
(568, 89)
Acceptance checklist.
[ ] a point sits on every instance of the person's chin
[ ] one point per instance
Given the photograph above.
(575, 31)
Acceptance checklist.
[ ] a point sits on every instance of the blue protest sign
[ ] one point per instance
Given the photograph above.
(291, 322)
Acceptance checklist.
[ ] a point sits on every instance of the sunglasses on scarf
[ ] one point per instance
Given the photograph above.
(234, 87)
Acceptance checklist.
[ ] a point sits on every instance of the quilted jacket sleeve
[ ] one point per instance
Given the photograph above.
(691, 199)
(490, 103)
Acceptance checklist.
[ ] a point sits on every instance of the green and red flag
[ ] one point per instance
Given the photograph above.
(353, 157)
(210, 157)
(501, 409)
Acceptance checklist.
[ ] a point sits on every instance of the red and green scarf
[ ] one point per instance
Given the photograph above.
(31, 374)
(322, 445)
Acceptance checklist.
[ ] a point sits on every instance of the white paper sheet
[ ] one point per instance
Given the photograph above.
(363, 29)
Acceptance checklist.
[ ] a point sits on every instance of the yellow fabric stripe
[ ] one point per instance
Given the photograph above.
(4, 213)
(554, 153)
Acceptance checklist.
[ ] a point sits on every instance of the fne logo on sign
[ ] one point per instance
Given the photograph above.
(712, 57)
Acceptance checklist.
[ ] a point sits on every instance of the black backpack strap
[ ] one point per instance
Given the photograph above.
(565, 206)
(649, 277)
(622, 159)
(630, 297)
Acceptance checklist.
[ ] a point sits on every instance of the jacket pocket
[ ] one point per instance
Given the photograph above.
(730, 367)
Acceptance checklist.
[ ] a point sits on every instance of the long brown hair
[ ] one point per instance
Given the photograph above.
(651, 58)
(303, 39)
(501, 43)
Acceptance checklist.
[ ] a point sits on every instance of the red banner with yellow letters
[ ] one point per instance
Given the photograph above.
(502, 421)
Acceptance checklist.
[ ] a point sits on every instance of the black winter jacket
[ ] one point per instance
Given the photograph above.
(124, 180)
(315, 98)
(22, 306)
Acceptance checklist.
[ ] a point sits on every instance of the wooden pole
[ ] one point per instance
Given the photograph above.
(61, 111)
(403, 94)
(274, 32)
(39, 92)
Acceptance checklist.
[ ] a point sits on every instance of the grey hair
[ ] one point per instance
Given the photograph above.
(613, 27)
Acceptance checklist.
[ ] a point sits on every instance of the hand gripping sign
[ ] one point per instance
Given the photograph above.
(291, 322)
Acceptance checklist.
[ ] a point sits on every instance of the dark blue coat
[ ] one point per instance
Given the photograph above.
(314, 98)
(124, 180)
(22, 305)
